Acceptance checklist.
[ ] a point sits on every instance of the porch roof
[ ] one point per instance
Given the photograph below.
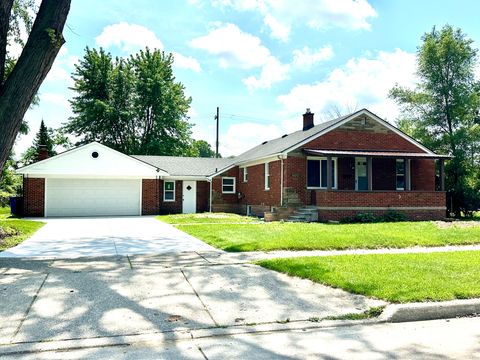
(373, 153)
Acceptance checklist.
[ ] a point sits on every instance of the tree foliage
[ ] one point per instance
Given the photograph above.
(133, 105)
(47, 137)
(201, 148)
(442, 112)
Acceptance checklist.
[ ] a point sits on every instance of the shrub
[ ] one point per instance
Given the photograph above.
(392, 216)
(389, 216)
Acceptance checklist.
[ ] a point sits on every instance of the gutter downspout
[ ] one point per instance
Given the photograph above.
(281, 157)
(210, 197)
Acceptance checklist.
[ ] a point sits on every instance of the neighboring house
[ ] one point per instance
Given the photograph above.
(355, 163)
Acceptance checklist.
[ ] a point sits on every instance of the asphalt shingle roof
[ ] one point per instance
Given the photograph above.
(185, 166)
(189, 166)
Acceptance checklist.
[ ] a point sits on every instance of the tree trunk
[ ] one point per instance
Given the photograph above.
(32, 67)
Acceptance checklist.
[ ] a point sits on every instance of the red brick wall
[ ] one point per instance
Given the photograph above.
(296, 176)
(171, 207)
(34, 196)
(422, 174)
(361, 140)
(203, 195)
(381, 199)
(254, 192)
(151, 191)
(337, 215)
(218, 197)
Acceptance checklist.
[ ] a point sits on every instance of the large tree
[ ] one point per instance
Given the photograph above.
(442, 111)
(133, 105)
(21, 78)
(201, 148)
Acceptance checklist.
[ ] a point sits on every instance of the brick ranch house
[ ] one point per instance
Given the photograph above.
(355, 163)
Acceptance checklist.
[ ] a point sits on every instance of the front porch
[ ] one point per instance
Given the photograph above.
(345, 183)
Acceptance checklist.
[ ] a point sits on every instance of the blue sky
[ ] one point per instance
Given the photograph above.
(262, 62)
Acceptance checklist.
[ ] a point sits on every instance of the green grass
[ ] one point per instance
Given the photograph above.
(20, 229)
(300, 236)
(392, 277)
(207, 218)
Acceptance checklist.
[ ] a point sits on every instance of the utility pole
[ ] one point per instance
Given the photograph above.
(217, 117)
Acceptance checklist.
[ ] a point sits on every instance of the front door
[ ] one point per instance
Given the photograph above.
(361, 180)
(189, 192)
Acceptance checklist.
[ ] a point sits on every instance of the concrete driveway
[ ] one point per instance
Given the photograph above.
(105, 236)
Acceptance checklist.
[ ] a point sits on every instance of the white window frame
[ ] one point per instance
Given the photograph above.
(404, 174)
(335, 177)
(245, 174)
(267, 175)
(234, 185)
(165, 190)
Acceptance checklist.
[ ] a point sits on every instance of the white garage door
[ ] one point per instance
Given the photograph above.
(92, 197)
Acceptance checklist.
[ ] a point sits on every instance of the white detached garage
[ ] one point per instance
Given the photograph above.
(92, 180)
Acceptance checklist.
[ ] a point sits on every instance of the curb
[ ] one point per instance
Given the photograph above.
(396, 313)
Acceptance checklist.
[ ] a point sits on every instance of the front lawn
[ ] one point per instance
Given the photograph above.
(301, 236)
(392, 277)
(207, 218)
(13, 231)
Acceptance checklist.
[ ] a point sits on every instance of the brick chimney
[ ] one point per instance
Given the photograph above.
(307, 120)
(42, 152)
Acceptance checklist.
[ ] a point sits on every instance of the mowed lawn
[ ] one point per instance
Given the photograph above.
(300, 236)
(392, 277)
(13, 231)
(207, 218)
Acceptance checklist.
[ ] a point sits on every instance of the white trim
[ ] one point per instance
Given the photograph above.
(360, 158)
(23, 170)
(141, 198)
(174, 189)
(45, 207)
(404, 174)
(335, 178)
(234, 185)
(266, 176)
(353, 116)
(245, 174)
(261, 160)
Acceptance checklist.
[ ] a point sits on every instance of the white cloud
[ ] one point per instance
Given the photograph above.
(281, 15)
(186, 62)
(244, 136)
(238, 49)
(130, 38)
(362, 81)
(278, 30)
(272, 72)
(306, 57)
(233, 47)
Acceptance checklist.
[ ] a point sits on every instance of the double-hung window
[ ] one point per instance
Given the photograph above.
(267, 176)
(400, 174)
(317, 173)
(228, 185)
(169, 191)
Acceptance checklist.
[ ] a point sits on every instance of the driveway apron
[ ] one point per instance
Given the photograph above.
(105, 236)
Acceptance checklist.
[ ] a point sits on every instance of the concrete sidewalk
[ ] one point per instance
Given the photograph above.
(120, 296)
(218, 257)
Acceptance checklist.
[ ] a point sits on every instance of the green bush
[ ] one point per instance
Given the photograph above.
(389, 216)
(392, 216)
